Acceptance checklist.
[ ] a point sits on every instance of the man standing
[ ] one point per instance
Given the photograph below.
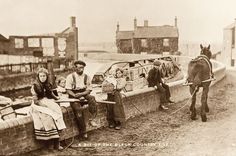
(78, 85)
(154, 80)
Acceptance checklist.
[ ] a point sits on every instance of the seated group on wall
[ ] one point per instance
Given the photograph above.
(75, 91)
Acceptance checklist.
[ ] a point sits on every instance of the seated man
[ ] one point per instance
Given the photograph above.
(78, 86)
(154, 80)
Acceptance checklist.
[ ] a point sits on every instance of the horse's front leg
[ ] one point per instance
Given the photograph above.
(204, 107)
(192, 107)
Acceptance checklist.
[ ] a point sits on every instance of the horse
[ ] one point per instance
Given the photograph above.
(200, 75)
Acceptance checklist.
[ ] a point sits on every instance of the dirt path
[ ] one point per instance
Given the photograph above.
(158, 133)
(215, 137)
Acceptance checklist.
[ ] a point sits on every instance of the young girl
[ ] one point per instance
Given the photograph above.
(46, 114)
(61, 90)
(115, 113)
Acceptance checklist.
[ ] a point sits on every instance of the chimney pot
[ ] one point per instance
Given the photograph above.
(135, 23)
(118, 27)
(175, 21)
(73, 21)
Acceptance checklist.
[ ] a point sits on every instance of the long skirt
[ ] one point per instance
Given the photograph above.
(48, 119)
(115, 112)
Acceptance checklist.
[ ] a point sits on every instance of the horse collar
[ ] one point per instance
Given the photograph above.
(205, 58)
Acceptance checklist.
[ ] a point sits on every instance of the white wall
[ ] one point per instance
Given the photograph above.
(227, 49)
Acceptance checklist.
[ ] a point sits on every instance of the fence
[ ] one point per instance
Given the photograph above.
(32, 67)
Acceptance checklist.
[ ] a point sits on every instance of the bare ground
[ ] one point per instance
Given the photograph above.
(158, 133)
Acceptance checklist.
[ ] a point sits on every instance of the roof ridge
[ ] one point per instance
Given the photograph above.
(3, 38)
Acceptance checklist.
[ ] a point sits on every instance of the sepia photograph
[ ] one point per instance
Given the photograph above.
(118, 77)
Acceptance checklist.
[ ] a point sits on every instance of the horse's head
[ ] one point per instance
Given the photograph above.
(206, 51)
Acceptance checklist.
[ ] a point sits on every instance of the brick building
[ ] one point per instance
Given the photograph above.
(62, 45)
(4, 45)
(149, 39)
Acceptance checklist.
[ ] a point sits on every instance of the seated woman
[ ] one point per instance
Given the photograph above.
(47, 115)
(115, 112)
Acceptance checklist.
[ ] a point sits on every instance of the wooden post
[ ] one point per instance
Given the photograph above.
(51, 76)
(132, 44)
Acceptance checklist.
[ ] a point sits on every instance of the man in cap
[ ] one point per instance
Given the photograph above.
(78, 85)
(154, 80)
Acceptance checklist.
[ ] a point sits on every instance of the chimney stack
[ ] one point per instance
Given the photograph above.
(73, 21)
(117, 27)
(145, 23)
(175, 21)
(135, 23)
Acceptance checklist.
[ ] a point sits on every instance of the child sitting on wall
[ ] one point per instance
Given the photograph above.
(61, 91)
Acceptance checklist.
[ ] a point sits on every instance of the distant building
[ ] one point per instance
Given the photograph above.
(228, 54)
(148, 39)
(4, 45)
(57, 45)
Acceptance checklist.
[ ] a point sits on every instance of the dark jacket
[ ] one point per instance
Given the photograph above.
(154, 77)
(43, 90)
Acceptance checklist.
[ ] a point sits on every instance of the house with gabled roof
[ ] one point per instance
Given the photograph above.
(148, 39)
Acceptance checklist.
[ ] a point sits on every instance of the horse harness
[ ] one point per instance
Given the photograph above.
(207, 60)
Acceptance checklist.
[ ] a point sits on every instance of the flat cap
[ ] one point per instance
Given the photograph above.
(80, 62)
(156, 63)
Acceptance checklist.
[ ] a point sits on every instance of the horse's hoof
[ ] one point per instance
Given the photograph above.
(193, 117)
(204, 118)
(192, 109)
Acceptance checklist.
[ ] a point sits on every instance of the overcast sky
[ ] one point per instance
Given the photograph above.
(198, 20)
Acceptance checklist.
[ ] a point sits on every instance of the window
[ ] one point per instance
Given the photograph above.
(97, 79)
(47, 42)
(232, 63)
(166, 42)
(48, 46)
(33, 42)
(19, 43)
(144, 43)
